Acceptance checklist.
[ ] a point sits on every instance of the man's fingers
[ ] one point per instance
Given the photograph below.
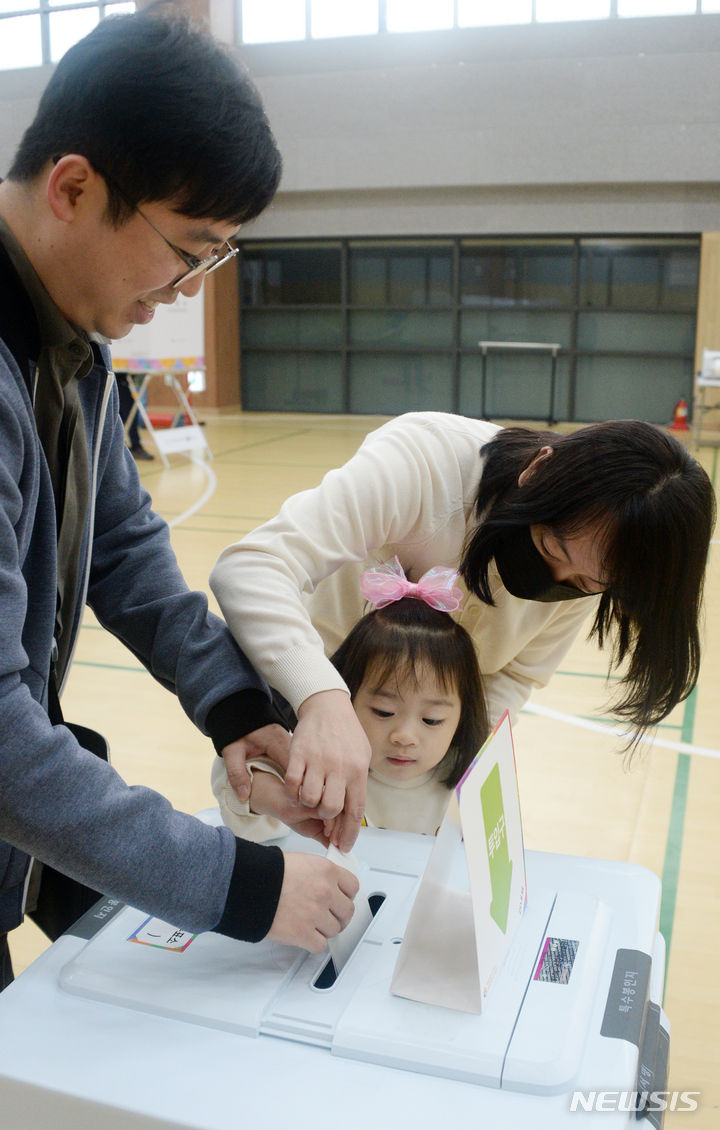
(349, 884)
(278, 745)
(237, 771)
(315, 900)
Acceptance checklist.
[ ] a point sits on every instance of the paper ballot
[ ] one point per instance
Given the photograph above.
(456, 940)
(344, 943)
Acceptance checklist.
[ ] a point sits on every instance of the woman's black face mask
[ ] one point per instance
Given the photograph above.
(524, 572)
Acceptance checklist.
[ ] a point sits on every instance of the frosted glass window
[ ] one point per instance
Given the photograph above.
(20, 44)
(286, 382)
(636, 279)
(517, 386)
(389, 384)
(680, 284)
(636, 333)
(343, 17)
(66, 28)
(295, 275)
(656, 7)
(17, 5)
(514, 273)
(407, 280)
(711, 5)
(514, 325)
(368, 278)
(486, 13)
(419, 15)
(440, 280)
(293, 328)
(631, 388)
(401, 329)
(547, 10)
(273, 21)
(397, 276)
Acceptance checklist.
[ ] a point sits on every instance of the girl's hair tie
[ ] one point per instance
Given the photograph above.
(384, 584)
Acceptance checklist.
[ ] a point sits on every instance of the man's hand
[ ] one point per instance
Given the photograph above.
(270, 741)
(269, 798)
(315, 902)
(328, 767)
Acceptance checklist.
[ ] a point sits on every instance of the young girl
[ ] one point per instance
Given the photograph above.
(414, 681)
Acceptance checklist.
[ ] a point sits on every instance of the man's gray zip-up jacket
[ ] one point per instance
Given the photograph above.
(59, 802)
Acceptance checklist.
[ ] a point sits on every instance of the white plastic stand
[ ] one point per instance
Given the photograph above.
(707, 378)
(185, 439)
(551, 347)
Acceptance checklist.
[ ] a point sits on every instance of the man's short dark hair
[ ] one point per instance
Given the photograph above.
(164, 112)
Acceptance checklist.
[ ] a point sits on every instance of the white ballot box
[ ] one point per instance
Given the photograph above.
(127, 1022)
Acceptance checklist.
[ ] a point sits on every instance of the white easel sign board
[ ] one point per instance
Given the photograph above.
(171, 344)
(172, 341)
(477, 925)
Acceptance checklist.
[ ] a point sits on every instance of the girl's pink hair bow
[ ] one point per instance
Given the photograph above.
(384, 584)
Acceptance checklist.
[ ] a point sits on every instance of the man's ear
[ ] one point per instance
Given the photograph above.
(71, 182)
(542, 456)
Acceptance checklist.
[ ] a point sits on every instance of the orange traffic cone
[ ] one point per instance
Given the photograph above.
(680, 417)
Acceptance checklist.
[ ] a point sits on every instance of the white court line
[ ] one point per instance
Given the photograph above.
(616, 732)
(208, 493)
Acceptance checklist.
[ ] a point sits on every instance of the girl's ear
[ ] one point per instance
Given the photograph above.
(542, 456)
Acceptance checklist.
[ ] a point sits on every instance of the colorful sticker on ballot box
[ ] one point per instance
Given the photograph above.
(161, 935)
(556, 960)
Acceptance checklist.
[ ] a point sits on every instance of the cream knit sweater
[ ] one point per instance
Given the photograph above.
(289, 590)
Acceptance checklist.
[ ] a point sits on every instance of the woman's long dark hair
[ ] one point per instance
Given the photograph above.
(397, 642)
(653, 508)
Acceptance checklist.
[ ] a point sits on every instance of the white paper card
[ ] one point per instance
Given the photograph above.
(492, 830)
(343, 945)
(187, 438)
(456, 939)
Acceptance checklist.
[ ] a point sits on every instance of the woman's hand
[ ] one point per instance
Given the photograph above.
(328, 766)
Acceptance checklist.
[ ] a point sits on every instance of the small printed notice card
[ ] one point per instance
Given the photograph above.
(457, 938)
(161, 935)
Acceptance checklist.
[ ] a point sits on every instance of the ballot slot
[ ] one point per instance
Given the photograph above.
(300, 1011)
(330, 972)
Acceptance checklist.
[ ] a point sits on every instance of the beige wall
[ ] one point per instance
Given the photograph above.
(708, 321)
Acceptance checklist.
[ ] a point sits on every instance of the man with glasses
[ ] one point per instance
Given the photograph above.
(149, 149)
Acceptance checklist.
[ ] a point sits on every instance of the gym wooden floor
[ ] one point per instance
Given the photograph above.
(578, 795)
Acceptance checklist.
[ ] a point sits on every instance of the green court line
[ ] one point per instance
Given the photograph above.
(110, 666)
(261, 442)
(582, 674)
(149, 472)
(209, 529)
(676, 828)
(673, 844)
